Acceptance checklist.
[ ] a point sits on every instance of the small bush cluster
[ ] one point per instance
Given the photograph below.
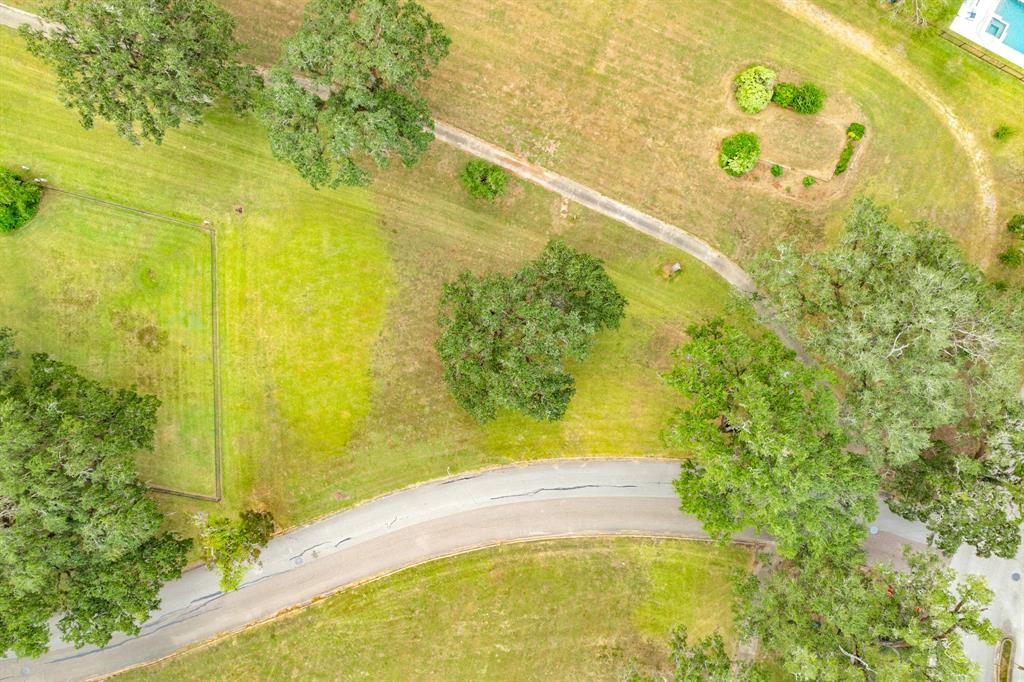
(1002, 132)
(1016, 225)
(484, 180)
(1013, 257)
(754, 86)
(776, 170)
(806, 98)
(19, 201)
(808, 181)
(854, 132)
(739, 153)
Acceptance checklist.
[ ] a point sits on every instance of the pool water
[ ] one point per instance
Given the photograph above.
(1012, 13)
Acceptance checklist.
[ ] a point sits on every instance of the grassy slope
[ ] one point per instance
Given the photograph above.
(331, 396)
(127, 298)
(516, 613)
(633, 97)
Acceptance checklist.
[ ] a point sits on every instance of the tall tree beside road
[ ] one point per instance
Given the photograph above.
(233, 547)
(143, 65)
(764, 444)
(80, 540)
(363, 60)
(932, 354)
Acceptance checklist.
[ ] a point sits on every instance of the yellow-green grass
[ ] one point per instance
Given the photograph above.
(632, 98)
(567, 610)
(125, 298)
(332, 390)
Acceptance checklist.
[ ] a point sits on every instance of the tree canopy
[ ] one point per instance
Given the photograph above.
(19, 201)
(829, 621)
(705, 661)
(143, 65)
(233, 547)
(932, 357)
(504, 337)
(79, 538)
(363, 60)
(765, 446)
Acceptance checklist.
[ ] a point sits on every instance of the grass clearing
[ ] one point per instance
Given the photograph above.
(580, 609)
(126, 299)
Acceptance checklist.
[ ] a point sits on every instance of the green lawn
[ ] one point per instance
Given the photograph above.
(567, 610)
(633, 97)
(332, 390)
(126, 298)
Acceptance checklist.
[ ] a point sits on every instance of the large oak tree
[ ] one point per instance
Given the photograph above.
(80, 540)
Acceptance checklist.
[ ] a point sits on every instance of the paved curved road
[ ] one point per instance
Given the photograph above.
(544, 499)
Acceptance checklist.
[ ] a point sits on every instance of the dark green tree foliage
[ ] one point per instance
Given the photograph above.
(931, 352)
(143, 65)
(233, 547)
(739, 153)
(483, 180)
(363, 60)
(503, 338)
(19, 201)
(833, 621)
(79, 538)
(766, 448)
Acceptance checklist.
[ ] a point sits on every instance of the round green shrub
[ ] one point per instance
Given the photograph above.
(739, 153)
(1002, 132)
(1012, 257)
(484, 180)
(808, 181)
(19, 201)
(1016, 224)
(776, 170)
(754, 86)
(784, 94)
(855, 131)
(809, 99)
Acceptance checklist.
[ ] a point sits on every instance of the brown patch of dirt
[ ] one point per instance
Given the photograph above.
(151, 338)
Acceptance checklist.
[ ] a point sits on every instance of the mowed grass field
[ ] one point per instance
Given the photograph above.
(126, 298)
(567, 609)
(332, 391)
(633, 98)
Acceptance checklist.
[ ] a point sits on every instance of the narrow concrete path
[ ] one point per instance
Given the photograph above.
(898, 66)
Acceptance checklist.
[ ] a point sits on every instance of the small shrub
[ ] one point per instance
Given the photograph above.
(784, 94)
(844, 158)
(776, 170)
(1002, 132)
(1012, 257)
(19, 201)
(754, 87)
(809, 99)
(1000, 285)
(1016, 225)
(484, 180)
(739, 153)
(808, 181)
(855, 131)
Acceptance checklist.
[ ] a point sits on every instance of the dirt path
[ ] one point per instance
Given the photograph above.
(898, 66)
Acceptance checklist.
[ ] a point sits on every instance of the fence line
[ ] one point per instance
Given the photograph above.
(207, 228)
(978, 52)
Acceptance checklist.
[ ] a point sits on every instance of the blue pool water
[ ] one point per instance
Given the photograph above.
(1012, 12)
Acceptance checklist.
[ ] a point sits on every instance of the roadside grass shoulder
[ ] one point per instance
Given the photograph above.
(579, 609)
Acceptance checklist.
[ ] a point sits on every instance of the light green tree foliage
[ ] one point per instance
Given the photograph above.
(79, 538)
(233, 547)
(739, 153)
(765, 446)
(830, 621)
(143, 65)
(932, 353)
(503, 338)
(363, 60)
(922, 13)
(754, 88)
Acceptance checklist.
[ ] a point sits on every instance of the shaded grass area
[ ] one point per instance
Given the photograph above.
(632, 98)
(332, 390)
(125, 298)
(567, 609)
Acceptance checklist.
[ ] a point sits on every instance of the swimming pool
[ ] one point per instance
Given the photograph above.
(1012, 14)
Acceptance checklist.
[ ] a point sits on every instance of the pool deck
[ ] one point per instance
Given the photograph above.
(973, 19)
